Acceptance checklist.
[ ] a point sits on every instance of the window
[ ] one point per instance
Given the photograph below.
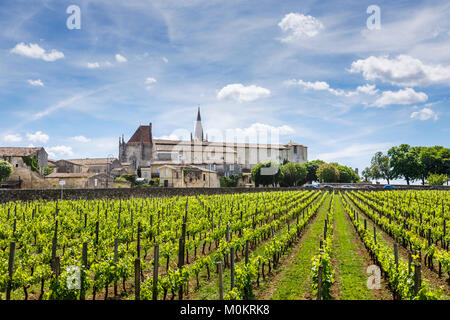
(295, 149)
(231, 167)
(204, 177)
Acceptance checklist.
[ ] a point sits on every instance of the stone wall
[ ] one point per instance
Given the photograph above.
(119, 193)
(122, 193)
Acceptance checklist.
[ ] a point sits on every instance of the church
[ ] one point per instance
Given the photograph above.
(226, 158)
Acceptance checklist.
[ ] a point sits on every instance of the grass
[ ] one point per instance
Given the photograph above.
(351, 265)
(296, 280)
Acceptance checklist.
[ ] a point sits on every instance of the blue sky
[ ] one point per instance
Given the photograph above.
(312, 70)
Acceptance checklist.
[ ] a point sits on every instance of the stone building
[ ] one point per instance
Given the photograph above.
(180, 176)
(15, 156)
(226, 158)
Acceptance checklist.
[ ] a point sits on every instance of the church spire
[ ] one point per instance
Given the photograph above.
(198, 115)
(198, 131)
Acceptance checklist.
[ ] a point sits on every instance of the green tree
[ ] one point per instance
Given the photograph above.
(311, 167)
(381, 167)
(346, 174)
(405, 162)
(366, 174)
(292, 174)
(327, 173)
(437, 179)
(5, 170)
(266, 174)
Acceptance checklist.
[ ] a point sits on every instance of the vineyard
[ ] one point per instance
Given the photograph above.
(391, 245)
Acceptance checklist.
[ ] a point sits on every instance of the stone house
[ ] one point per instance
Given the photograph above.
(15, 156)
(179, 176)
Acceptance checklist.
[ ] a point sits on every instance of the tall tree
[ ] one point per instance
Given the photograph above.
(266, 174)
(292, 174)
(405, 162)
(366, 174)
(327, 173)
(381, 167)
(311, 167)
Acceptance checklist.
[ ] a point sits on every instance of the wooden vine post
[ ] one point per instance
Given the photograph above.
(181, 249)
(417, 278)
(219, 265)
(84, 258)
(116, 253)
(319, 283)
(12, 251)
(137, 279)
(232, 267)
(155, 272)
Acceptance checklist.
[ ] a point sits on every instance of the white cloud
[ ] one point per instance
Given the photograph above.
(402, 70)
(12, 138)
(34, 51)
(149, 81)
(367, 89)
(299, 26)
(93, 65)
(241, 93)
(165, 59)
(82, 139)
(322, 85)
(36, 83)
(38, 137)
(61, 150)
(424, 114)
(120, 58)
(403, 96)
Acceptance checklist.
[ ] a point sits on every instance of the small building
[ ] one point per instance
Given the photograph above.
(180, 176)
(16, 156)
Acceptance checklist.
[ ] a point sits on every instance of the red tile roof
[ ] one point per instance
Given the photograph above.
(142, 134)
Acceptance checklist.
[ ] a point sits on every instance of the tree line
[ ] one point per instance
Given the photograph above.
(291, 174)
(431, 164)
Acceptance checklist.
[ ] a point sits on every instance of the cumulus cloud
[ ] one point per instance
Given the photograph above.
(241, 93)
(323, 86)
(61, 150)
(402, 70)
(93, 65)
(12, 138)
(424, 114)
(299, 26)
(82, 139)
(34, 51)
(404, 96)
(120, 58)
(367, 89)
(36, 83)
(38, 137)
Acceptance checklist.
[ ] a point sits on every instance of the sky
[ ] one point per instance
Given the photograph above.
(341, 77)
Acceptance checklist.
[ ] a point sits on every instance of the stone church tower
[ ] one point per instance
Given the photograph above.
(138, 151)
